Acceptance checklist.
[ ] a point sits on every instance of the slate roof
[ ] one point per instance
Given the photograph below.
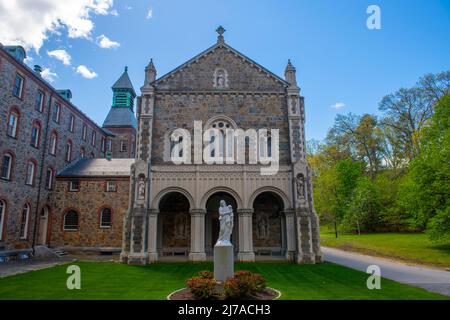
(124, 82)
(98, 168)
(120, 117)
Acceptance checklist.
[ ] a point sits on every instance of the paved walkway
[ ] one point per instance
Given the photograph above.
(16, 267)
(434, 280)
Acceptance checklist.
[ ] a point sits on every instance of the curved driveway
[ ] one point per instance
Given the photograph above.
(434, 280)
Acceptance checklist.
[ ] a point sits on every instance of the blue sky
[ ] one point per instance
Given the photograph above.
(338, 60)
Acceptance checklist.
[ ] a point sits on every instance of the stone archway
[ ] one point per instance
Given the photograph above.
(174, 225)
(212, 220)
(268, 224)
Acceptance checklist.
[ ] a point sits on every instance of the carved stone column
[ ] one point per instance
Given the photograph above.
(290, 234)
(138, 254)
(197, 252)
(304, 253)
(246, 252)
(153, 235)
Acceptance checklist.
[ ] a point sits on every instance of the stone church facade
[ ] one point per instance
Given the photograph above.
(173, 208)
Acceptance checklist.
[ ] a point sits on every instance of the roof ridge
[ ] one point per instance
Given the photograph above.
(213, 47)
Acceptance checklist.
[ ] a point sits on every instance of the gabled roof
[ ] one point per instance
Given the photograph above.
(98, 168)
(124, 82)
(220, 44)
(120, 117)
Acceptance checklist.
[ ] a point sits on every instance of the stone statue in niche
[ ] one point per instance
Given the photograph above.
(226, 223)
(141, 188)
(263, 226)
(300, 186)
(220, 78)
(180, 226)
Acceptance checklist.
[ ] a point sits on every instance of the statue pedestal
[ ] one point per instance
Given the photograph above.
(223, 261)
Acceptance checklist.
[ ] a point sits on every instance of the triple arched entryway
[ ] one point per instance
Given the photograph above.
(184, 230)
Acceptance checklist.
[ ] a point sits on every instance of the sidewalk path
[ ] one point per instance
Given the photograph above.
(434, 280)
(17, 267)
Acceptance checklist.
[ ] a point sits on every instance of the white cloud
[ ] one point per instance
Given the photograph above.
(48, 75)
(338, 105)
(30, 22)
(85, 72)
(62, 55)
(114, 13)
(149, 14)
(104, 42)
(128, 7)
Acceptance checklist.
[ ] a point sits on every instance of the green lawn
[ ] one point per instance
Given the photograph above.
(411, 247)
(107, 280)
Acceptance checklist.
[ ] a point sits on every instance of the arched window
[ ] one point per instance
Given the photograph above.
(2, 217)
(35, 134)
(84, 132)
(13, 123)
(53, 143)
(24, 221)
(31, 173)
(68, 151)
(265, 144)
(7, 162)
(82, 152)
(105, 218)
(226, 142)
(49, 179)
(93, 138)
(71, 221)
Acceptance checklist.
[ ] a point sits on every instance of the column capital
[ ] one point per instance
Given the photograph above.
(197, 212)
(288, 212)
(245, 212)
(152, 212)
(302, 212)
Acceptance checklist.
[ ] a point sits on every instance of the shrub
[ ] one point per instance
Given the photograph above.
(201, 288)
(205, 274)
(243, 285)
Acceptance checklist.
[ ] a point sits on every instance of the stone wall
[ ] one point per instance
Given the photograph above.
(88, 202)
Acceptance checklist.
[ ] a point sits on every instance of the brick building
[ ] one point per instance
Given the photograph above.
(41, 133)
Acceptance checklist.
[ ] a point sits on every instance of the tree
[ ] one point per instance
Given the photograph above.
(360, 136)
(408, 110)
(364, 206)
(426, 192)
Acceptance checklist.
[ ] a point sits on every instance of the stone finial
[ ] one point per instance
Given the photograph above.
(289, 74)
(220, 31)
(150, 72)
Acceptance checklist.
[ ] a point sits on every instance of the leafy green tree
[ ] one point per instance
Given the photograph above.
(425, 194)
(364, 207)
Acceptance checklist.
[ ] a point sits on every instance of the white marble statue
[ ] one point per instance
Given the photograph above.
(226, 223)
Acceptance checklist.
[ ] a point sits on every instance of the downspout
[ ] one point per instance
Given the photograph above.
(41, 171)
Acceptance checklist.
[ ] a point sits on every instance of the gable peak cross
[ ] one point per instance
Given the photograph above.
(220, 31)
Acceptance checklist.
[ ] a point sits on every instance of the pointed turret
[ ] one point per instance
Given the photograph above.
(122, 113)
(123, 92)
(150, 73)
(289, 74)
